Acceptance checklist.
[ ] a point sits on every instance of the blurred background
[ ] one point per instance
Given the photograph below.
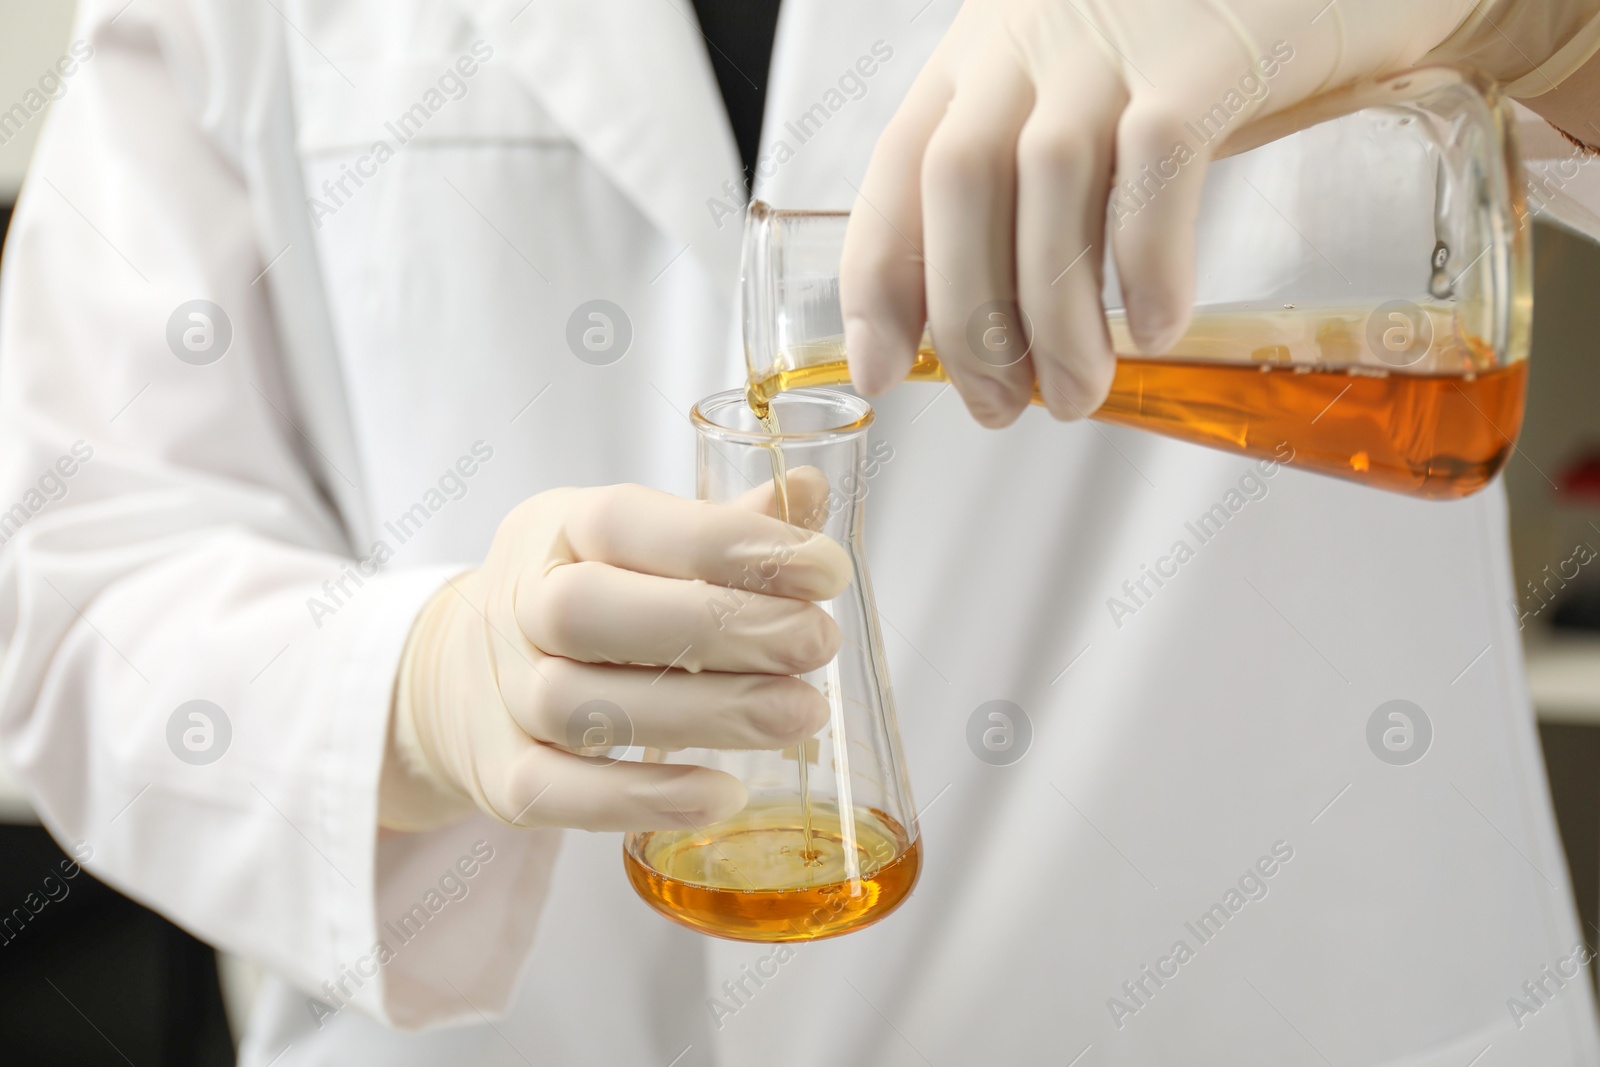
(96, 978)
(1553, 484)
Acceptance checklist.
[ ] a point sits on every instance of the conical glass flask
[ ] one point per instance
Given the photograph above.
(827, 842)
(1362, 306)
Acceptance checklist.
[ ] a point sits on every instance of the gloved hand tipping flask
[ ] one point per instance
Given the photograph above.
(1363, 294)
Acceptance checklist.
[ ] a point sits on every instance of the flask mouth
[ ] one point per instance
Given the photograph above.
(804, 415)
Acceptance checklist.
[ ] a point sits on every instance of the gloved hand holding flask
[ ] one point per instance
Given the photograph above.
(602, 595)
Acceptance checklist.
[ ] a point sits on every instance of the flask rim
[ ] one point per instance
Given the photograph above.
(711, 416)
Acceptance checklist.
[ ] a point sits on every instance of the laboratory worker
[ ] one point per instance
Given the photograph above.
(324, 508)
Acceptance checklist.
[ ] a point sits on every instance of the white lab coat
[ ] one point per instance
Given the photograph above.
(374, 346)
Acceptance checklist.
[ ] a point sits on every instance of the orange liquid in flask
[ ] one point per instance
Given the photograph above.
(1435, 435)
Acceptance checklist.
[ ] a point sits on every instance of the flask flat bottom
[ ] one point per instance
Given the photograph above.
(746, 879)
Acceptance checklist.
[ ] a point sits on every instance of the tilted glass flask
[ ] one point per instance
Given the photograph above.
(1363, 298)
(827, 842)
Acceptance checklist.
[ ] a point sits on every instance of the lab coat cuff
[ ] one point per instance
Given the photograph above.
(373, 626)
(443, 926)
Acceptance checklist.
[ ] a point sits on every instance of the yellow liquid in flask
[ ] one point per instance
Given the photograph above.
(745, 878)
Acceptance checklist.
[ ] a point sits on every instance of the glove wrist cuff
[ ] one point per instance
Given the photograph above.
(415, 794)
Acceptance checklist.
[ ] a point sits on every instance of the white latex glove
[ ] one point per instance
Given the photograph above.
(997, 169)
(603, 594)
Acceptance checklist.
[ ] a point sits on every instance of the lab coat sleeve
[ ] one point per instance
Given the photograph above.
(166, 541)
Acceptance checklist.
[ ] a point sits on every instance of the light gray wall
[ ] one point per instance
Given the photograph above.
(33, 35)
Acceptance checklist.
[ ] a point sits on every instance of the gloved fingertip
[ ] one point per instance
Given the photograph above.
(994, 404)
(1157, 322)
(1075, 391)
(824, 569)
(728, 800)
(1155, 335)
(701, 796)
(809, 505)
(876, 364)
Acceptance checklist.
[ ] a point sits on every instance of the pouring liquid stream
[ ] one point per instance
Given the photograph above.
(810, 857)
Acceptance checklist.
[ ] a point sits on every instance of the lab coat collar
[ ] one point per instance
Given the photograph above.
(631, 83)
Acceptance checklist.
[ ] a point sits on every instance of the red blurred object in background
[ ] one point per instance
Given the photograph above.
(1580, 478)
